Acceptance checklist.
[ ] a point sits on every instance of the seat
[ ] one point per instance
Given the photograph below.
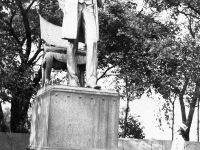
(55, 50)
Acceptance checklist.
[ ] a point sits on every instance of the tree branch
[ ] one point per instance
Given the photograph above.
(185, 86)
(181, 100)
(30, 62)
(192, 106)
(192, 8)
(103, 75)
(190, 28)
(10, 28)
(175, 89)
(31, 4)
(187, 14)
(37, 59)
(37, 78)
(27, 29)
(24, 39)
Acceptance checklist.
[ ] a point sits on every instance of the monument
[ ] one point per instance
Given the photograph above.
(55, 50)
(70, 117)
(80, 23)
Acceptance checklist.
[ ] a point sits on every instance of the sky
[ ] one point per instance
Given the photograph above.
(147, 108)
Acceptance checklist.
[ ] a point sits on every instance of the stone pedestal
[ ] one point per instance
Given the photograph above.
(66, 118)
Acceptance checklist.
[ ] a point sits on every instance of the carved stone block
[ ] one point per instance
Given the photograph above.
(74, 118)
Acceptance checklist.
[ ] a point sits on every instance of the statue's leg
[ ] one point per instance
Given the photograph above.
(43, 72)
(48, 67)
(82, 75)
(72, 63)
(89, 25)
(72, 48)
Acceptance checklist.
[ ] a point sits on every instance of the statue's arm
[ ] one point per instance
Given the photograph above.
(100, 3)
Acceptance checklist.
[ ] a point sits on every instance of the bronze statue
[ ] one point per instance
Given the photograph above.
(55, 50)
(80, 24)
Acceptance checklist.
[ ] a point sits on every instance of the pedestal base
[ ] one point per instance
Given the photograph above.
(76, 118)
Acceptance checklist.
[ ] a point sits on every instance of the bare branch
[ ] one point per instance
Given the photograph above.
(26, 27)
(30, 62)
(31, 4)
(140, 12)
(24, 39)
(37, 59)
(187, 14)
(103, 75)
(190, 27)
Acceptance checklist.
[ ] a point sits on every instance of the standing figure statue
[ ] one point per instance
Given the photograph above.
(80, 24)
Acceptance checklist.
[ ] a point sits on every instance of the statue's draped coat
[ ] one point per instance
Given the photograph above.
(70, 20)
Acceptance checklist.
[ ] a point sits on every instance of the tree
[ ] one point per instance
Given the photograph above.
(123, 34)
(198, 120)
(20, 48)
(166, 113)
(176, 71)
(134, 128)
(182, 68)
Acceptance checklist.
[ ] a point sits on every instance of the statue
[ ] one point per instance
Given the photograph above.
(80, 23)
(55, 52)
(66, 117)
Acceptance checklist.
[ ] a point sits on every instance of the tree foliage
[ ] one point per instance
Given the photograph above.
(124, 33)
(177, 58)
(126, 44)
(20, 47)
(134, 128)
(148, 53)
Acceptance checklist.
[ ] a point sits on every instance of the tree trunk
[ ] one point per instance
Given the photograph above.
(191, 112)
(126, 118)
(183, 114)
(2, 122)
(18, 121)
(190, 117)
(127, 109)
(198, 120)
(20, 106)
(173, 120)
